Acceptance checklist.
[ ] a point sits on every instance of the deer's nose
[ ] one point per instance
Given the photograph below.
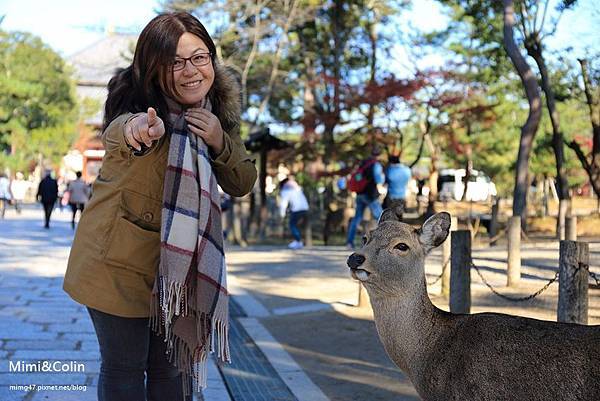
(355, 260)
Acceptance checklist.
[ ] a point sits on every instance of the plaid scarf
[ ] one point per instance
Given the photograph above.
(190, 299)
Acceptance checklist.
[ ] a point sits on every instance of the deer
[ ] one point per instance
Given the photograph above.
(466, 357)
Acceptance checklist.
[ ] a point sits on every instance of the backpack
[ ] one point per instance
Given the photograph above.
(360, 179)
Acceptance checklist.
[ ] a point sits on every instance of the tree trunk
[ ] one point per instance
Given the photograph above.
(425, 132)
(529, 129)
(592, 167)
(373, 66)
(468, 171)
(309, 119)
(433, 172)
(534, 49)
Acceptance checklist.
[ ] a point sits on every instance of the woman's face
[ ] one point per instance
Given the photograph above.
(192, 82)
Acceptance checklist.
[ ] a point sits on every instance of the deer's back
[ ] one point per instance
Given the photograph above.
(499, 357)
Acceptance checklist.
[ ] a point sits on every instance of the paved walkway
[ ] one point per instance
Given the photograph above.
(294, 334)
(41, 326)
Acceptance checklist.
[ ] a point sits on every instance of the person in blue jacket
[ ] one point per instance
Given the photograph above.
(368, 198)
(397, 176)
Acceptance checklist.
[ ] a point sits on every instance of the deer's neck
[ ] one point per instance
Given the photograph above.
(409, 326)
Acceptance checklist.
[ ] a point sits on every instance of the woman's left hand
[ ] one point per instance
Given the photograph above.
(207, 126)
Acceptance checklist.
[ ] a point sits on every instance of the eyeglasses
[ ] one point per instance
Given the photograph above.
(197, 60)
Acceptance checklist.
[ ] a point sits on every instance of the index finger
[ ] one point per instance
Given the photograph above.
(151, 116)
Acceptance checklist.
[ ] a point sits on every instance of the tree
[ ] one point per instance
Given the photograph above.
(476, 93)
(532, 25)
(37, 101)
(591, 161)
(529, 129)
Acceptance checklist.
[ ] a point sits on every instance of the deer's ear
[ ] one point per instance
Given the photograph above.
(434, 231)
(390, 214)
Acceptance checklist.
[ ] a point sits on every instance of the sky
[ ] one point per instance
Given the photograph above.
(71, 25)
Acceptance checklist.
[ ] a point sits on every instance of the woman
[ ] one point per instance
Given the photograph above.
(148, 249)
(79, 195)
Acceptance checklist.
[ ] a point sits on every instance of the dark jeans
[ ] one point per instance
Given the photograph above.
(295, 218)
(74, 208)
(129, 348)
(362, 202)
(48, 207)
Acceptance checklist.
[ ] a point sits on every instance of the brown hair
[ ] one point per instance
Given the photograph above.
(143, 84)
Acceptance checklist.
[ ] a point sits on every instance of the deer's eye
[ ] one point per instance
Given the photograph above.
(364, 240)
(402, 247)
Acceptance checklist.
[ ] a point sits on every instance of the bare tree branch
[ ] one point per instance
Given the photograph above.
(276, 61)
(252, 55)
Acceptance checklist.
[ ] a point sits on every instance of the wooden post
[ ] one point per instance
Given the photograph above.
(513, 272)
(571, 228)
(446, 246)
(460, 276)
(307, 230)
(238, 235)
(563, 207)
(494, 221)
(363, 297)
(573, 282)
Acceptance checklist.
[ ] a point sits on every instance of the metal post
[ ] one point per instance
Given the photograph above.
(571, 228)
(460, 276)
(514, 251)
(573, 282)
(446, 246)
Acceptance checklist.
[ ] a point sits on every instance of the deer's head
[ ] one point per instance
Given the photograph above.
(392, 256)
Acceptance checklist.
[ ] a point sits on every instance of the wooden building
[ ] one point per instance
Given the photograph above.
(93, 67)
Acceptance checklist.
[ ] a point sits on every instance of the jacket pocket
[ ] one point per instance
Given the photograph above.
(134, 241)
(141, 210)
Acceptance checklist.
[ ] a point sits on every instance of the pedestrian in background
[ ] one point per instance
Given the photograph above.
(63, 195)
(147, 259)
(364, 182)
(79, 194)
(397, 176)
(47, 194)
(5, 195)
(291, 194)
(19, 188)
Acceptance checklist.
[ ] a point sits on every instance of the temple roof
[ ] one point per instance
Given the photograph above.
(96, 64)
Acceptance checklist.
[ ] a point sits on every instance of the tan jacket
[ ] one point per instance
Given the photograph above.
(115, 253)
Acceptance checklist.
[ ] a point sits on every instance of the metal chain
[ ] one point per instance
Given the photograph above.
(515, 299)
(444, 266)
(593, 275)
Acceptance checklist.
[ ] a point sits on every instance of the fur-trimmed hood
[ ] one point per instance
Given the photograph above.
(225, 98)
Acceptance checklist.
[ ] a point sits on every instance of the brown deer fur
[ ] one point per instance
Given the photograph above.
(479, 357)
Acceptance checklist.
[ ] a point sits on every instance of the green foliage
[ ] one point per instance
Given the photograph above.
(37, 101)
(476, 105)
(327, 47)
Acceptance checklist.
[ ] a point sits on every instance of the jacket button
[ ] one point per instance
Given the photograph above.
(148, 216)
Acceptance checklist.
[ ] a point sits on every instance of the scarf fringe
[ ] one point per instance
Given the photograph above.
(212, 330)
